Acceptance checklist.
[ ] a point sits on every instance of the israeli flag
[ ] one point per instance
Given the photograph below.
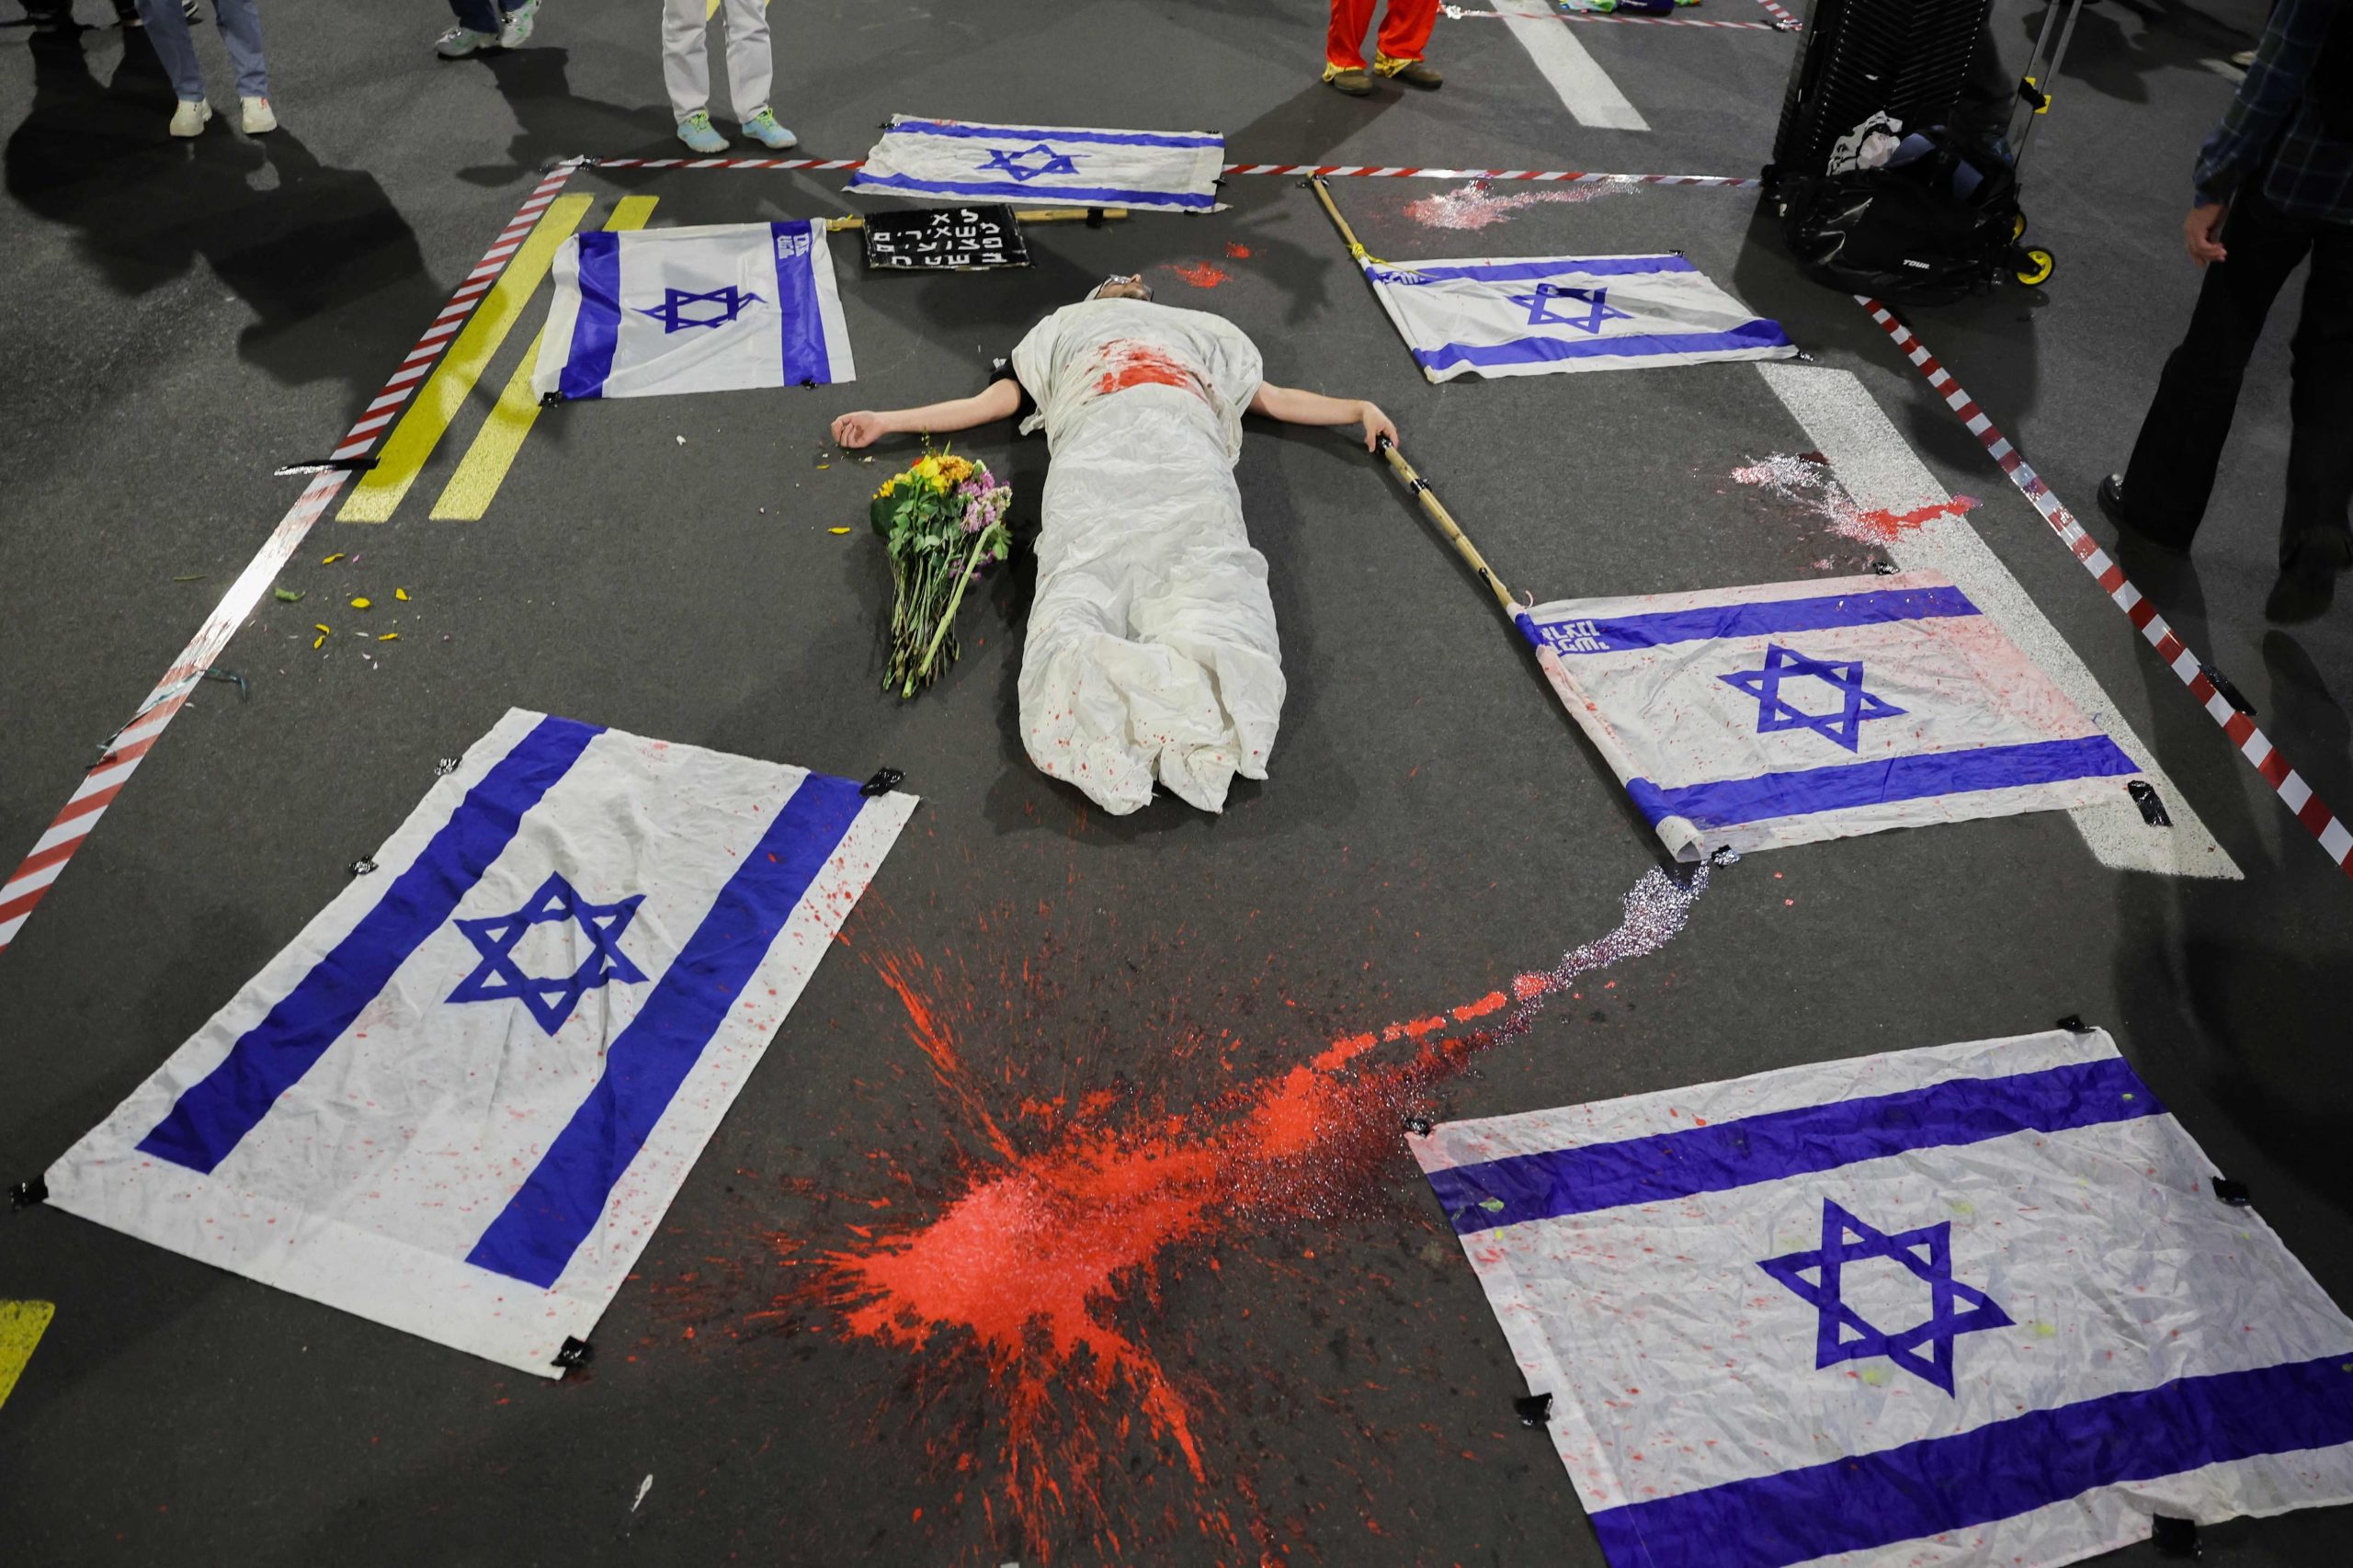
(1973, 1304)
(648, 311)
(1593, 312)
(460, 1102)
(1749, 717)
(1045, 166)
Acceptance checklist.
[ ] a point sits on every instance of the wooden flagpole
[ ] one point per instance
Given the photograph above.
(1416, 486)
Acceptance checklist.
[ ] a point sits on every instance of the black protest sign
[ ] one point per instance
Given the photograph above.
(945, 239)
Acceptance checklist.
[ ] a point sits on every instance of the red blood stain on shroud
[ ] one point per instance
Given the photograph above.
(1202, 274)
(1029, 1264)
(1130, 363)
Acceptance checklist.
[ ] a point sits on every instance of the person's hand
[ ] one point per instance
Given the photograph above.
(1376, 426)
(863, 428)
(2198, 229)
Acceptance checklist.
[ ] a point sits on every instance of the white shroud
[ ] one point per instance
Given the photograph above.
(1152, 648)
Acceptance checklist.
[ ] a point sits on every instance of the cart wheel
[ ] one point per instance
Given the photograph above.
(2035, 267)
(2017, 225)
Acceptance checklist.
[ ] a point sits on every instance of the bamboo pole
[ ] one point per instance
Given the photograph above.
(1419, 489)
(1041, 215)
(1415, 485)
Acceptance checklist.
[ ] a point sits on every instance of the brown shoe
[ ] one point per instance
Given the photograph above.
(1353, 80)
(1413, 72)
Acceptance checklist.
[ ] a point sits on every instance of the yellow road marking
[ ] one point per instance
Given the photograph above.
(467, 495)
(421, 428)
(21, 1324)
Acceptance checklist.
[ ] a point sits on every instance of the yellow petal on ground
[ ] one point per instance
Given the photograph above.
(363, 604)
(390, 637)
(332, 559)
(837, 530)
(21, 1326)
(322, 625)
(401, 593)
(317, 643)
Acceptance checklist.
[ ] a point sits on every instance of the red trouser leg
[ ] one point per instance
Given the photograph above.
(1344, 45)
(1405, 28)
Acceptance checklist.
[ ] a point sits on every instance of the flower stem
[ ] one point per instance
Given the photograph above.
(962, 579)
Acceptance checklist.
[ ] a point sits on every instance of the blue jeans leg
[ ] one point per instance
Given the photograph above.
(168, 30)
(476, 15)
(240, 23)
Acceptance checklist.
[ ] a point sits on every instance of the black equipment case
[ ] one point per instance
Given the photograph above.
(1894, 167)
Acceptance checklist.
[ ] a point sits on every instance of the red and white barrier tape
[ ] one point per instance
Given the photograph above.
(724, 163)
(1660, 21)
(2335, 841)
(1334, 170)
(69, 829)
(1458, 14)
(1565, 177)
(1788, 19)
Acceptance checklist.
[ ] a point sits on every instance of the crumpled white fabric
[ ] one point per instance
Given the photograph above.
(1152, 649)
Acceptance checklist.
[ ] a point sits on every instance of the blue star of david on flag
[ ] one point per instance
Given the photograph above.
(671, 311)
(1009, 163)
(499, 978)
(1774, 711)
(1842, 1334)
(1541, 313)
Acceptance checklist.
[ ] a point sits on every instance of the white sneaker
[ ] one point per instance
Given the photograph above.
(458, 42)
(258, 116)
(516, 25)
(189, 118)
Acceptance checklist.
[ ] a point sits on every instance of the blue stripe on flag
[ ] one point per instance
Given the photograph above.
(543, 1224)
(596, 329)
(1090, 195)
(1778, 1145)
(800, 323)
(1749, 335)
(1726, 802)
(1407, 273)
(213, 1116)
(1764, 618)
(1051, 134)
(1994, 1471)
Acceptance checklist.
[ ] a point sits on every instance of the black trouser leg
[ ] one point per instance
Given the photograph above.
(2172, 471)
(2319, 452)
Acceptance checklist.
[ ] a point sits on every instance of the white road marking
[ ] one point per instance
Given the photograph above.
(1879, 470)
(1585, 91)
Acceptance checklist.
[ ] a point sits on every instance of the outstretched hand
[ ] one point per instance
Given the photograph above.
(1376, 426)
(863, 428)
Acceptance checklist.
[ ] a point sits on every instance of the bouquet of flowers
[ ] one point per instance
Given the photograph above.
(943, 521)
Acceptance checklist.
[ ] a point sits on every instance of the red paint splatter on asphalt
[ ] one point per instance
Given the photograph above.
(1201, 274)
(1805, 480)
(1237, 251)
(1474, 206)
(1032, 1273)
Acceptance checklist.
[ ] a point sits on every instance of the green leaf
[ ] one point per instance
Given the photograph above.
(287, 597)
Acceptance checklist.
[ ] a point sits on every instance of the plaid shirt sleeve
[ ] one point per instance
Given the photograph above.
(2273, 88)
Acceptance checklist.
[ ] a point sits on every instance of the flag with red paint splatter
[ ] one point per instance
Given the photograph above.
(1973, 1304)
(460, 1102)
(1749, 718)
